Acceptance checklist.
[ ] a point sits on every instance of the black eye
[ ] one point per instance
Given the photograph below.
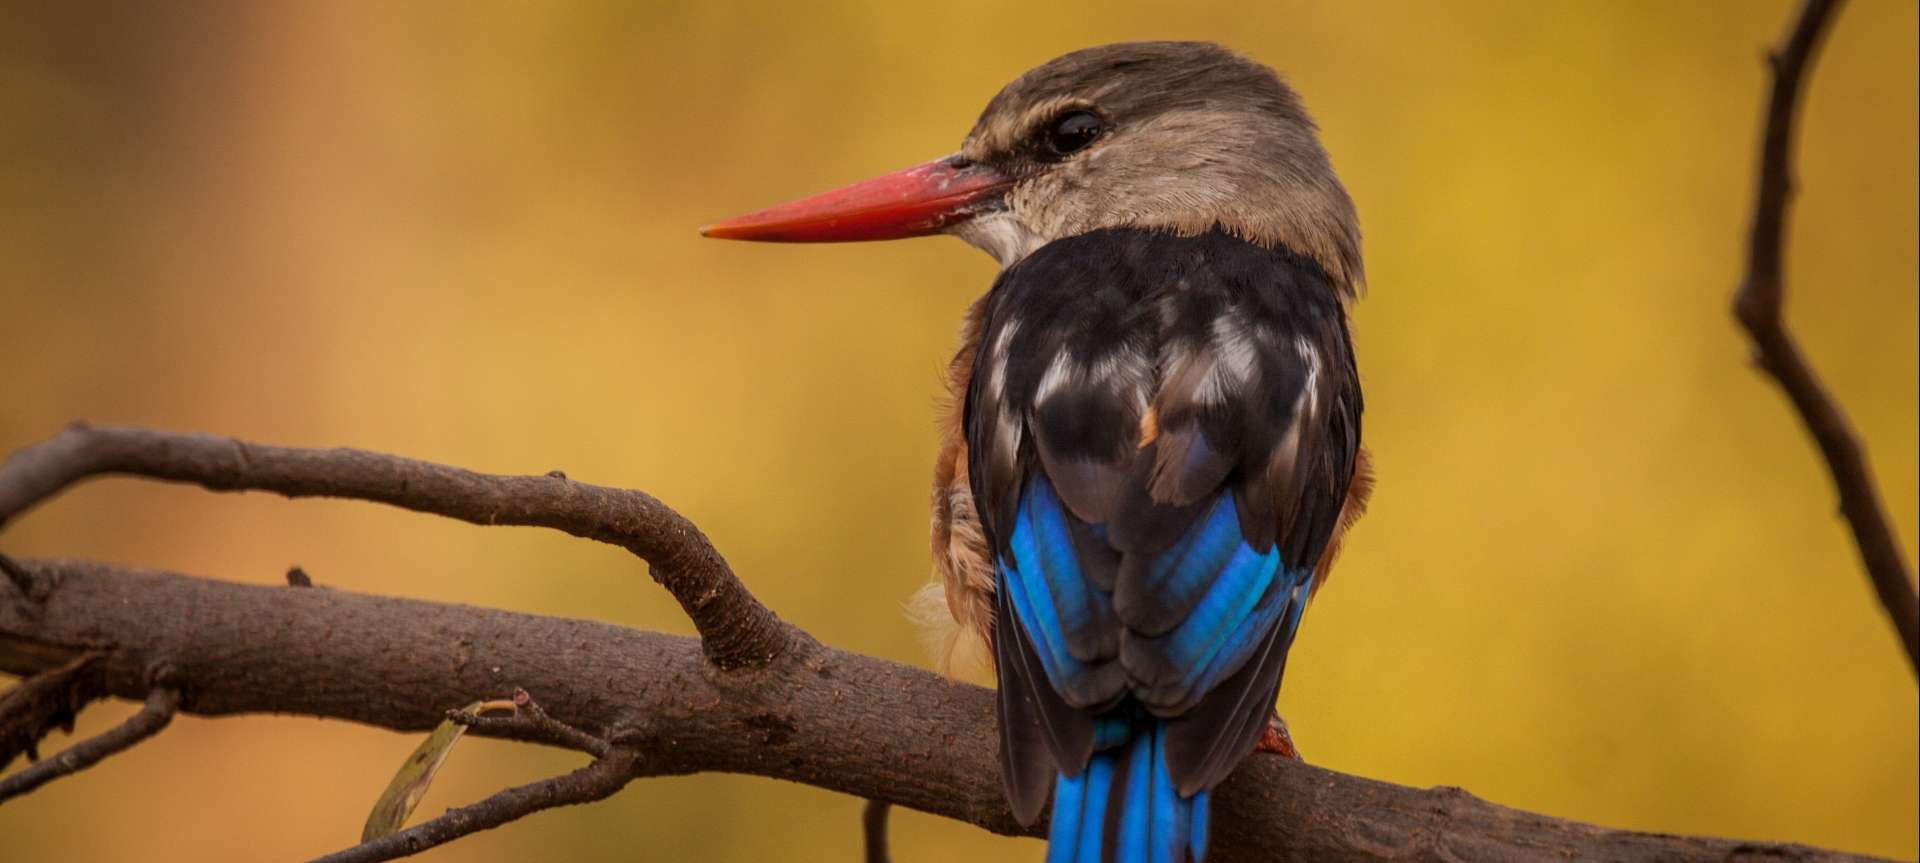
(1073, 131)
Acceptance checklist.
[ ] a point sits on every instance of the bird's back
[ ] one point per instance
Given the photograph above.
(1161, 432)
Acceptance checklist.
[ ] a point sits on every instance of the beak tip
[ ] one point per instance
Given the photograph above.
(724, 231)
(911, 202)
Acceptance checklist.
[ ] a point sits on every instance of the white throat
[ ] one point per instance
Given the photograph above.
(1001, 235)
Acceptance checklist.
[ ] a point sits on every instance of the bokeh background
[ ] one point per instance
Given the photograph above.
(1602, 578)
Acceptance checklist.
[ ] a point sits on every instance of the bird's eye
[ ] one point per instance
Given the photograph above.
(1073, 131)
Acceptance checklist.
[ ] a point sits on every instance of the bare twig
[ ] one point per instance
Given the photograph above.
(1758, 307)
(873, 825)
(854, 724)
(736, 629)
(596, 781)
(530, 722)
(45, 701)
(153, 716)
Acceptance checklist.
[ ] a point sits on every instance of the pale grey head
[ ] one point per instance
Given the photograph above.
(1180, 136)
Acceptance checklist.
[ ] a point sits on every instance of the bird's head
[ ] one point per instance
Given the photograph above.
(1178, 136)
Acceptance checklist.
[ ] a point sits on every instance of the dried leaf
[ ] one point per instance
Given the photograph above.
(390, 812)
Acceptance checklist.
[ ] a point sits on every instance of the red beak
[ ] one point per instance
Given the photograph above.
(920, 200)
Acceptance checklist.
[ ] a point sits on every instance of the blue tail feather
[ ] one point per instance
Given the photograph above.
(1197, 826)
(1124, 808)
(1167, 826)
(1063, 835)
(1093, 804)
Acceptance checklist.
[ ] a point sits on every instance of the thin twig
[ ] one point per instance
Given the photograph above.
(873, 823)
(531, 722)
(1758, 307)
(596, 781)
(736, 629)
(153, 716)
(34, 707)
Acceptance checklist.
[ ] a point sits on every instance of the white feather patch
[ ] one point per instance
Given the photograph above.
(1001, 235)
(956, 651)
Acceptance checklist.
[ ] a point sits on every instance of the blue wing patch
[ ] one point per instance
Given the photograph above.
(1066, 616)
(1232, 596)
(1243, 595)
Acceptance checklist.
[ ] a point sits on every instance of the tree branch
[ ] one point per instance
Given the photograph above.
(873, 828)
(530, 722)
(45, 701)
(1758, 307)
(153, 716)
(853, 724)
(735, 628)
(596, 781)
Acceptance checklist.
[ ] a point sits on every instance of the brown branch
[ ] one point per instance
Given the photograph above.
(153, 716)
(1758, 307)
(596, 781)
(848, 723)
(46, 701)
(530, 722)
(873, 828)
(736, 629)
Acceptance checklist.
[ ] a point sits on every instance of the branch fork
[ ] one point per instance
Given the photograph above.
(1757, 306)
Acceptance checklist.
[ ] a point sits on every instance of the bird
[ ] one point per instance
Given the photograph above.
(1152, 451)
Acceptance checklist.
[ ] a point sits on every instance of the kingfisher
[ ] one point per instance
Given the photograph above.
(1152, 448)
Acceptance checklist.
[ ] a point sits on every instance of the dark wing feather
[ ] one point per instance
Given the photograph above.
(1032, 720)
(1205, 744)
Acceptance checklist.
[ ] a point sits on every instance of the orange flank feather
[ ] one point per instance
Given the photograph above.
(960, 555)
(1359, 490)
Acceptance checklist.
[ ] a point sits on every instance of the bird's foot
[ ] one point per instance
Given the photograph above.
(1275, 740)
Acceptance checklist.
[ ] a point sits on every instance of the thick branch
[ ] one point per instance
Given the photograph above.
(736, 629)
(596, 781)
(834, 720)
(153, 716)
(1758, 307)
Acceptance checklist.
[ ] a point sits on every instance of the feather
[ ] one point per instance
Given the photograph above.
(1069, 622)
(1173, 672)
(1207, 740)
(1155, 593)
(1039, 733)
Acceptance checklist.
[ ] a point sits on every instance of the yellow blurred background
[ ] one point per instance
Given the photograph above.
(1603, 577)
